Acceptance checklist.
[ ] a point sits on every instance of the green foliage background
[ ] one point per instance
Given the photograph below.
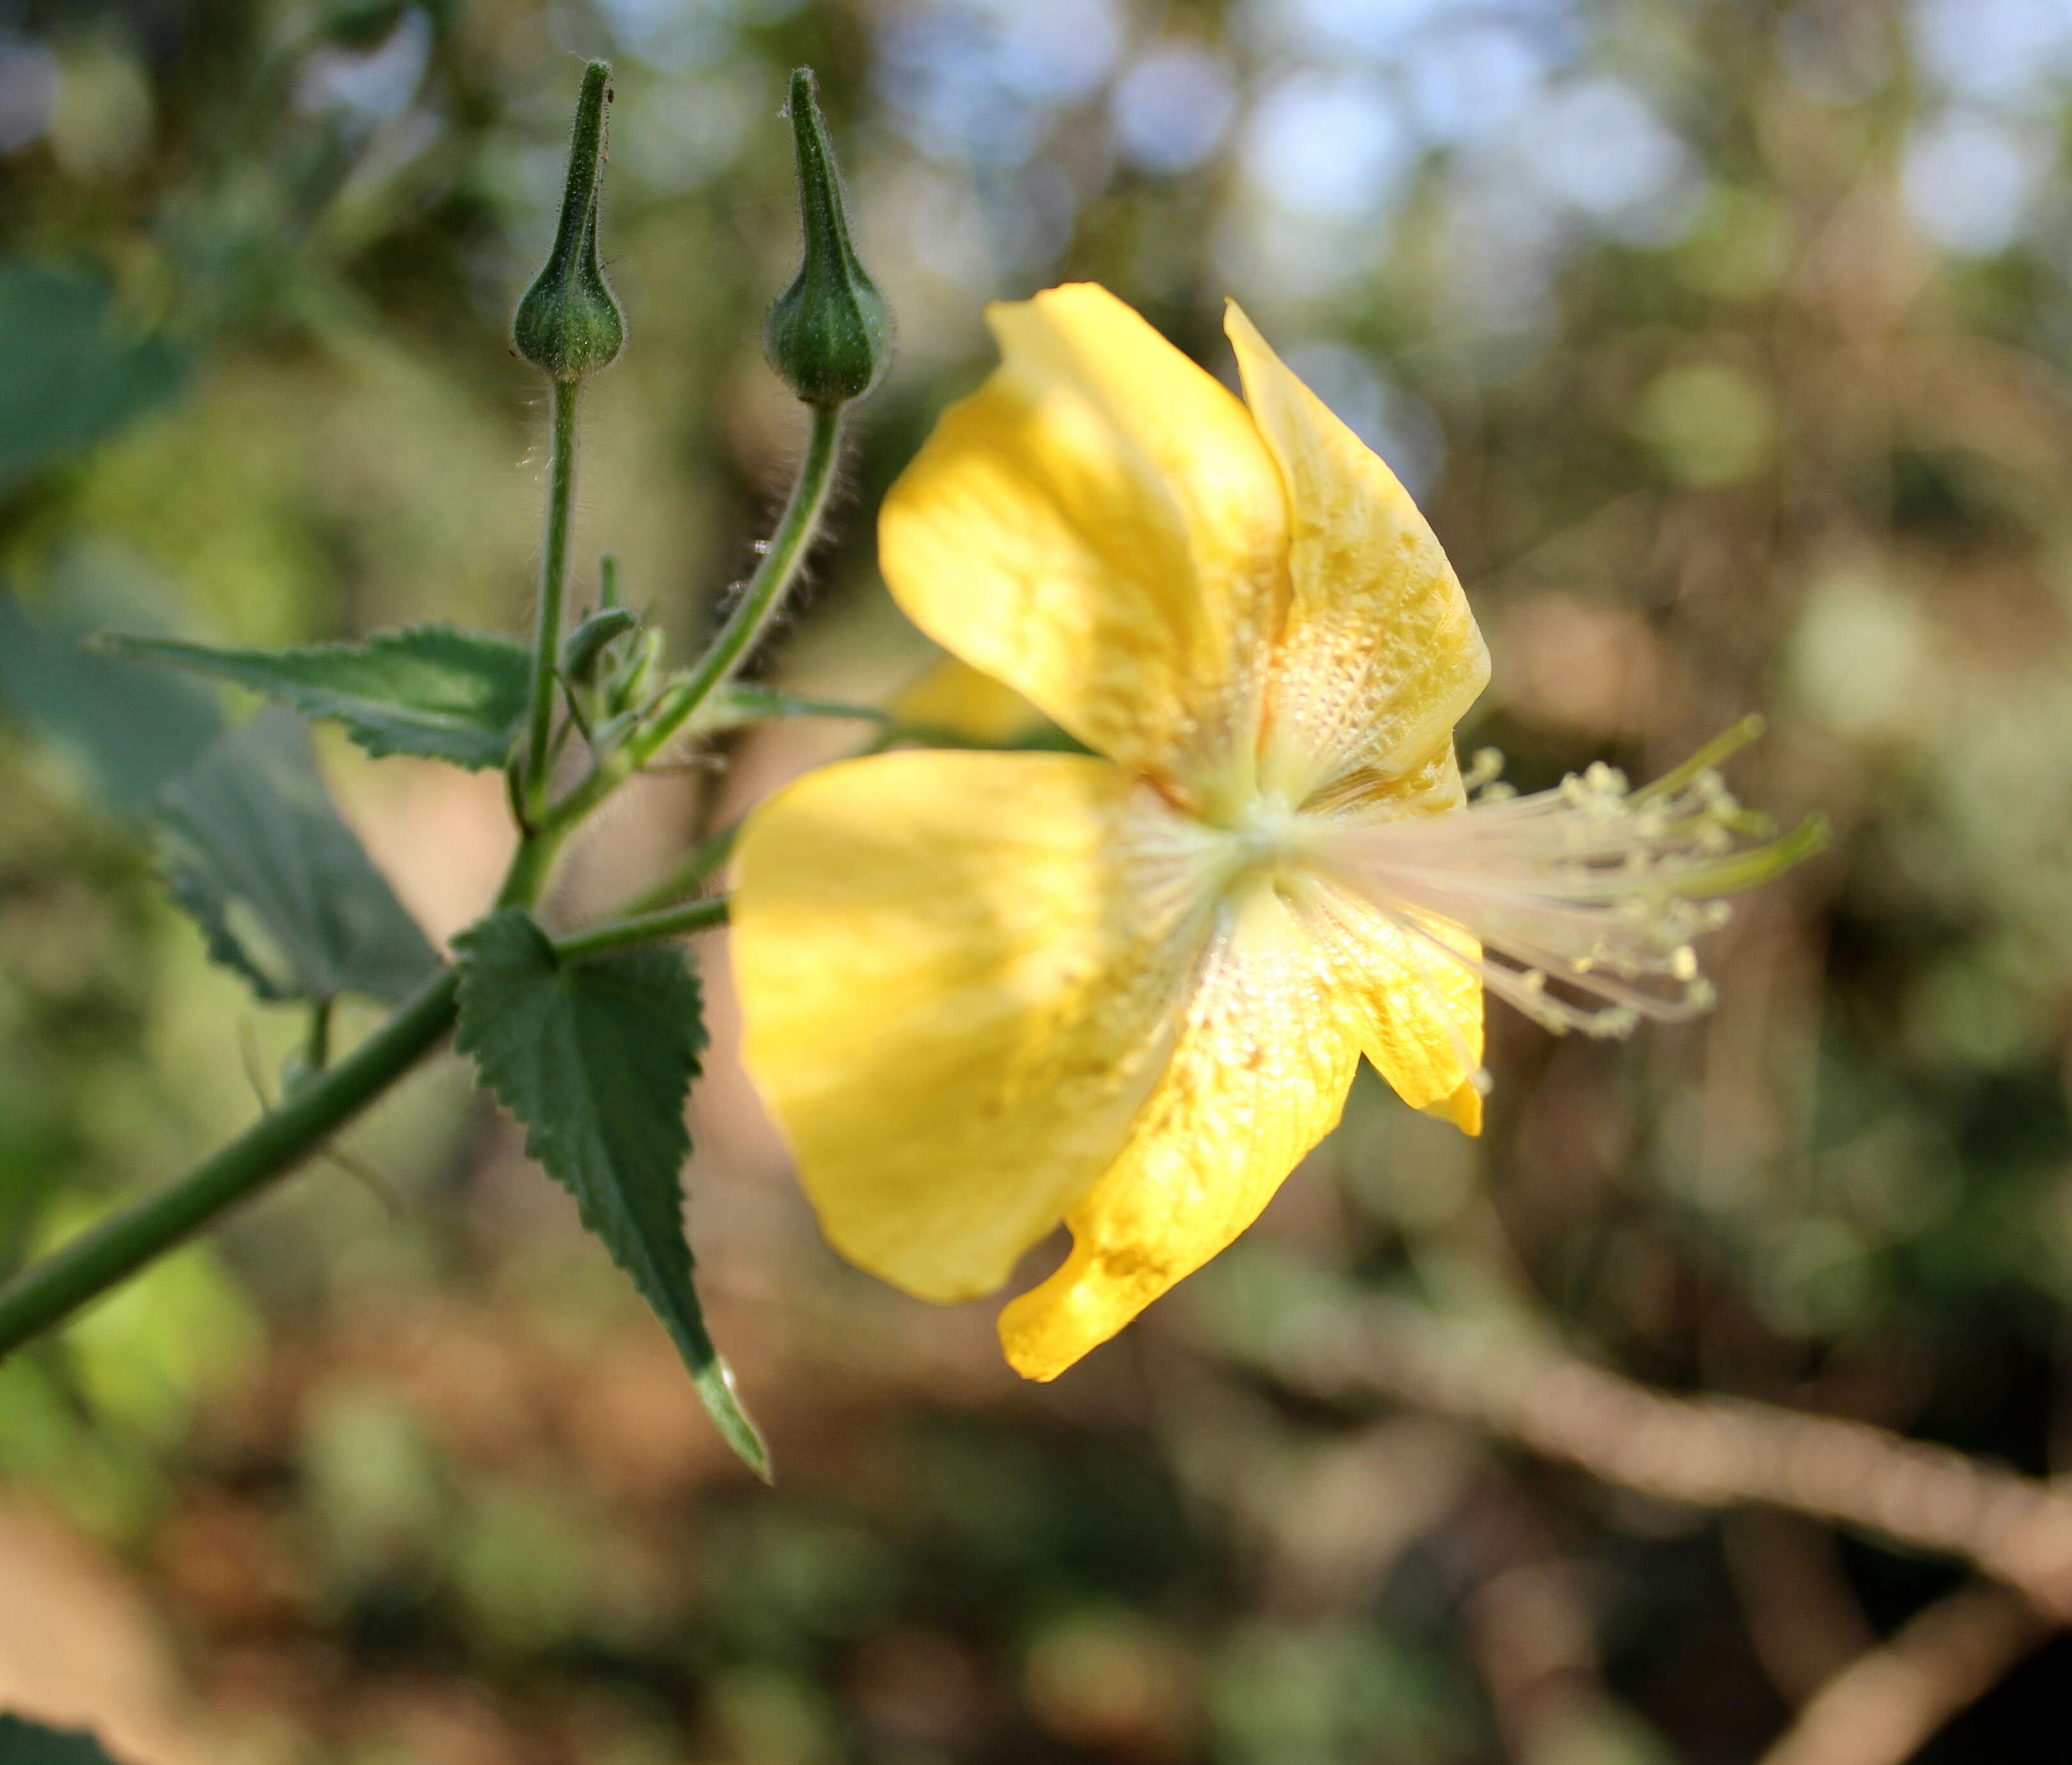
(1727, 345)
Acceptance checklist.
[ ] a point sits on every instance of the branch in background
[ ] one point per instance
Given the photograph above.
(1707, 1452)
(1887, 1704)
(1804, 1619)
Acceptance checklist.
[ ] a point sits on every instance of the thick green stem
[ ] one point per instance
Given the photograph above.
(526, 879)
(43, 1295)
(674, 922)
(553, 582)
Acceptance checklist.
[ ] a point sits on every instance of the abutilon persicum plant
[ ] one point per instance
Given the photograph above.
(1124, 988)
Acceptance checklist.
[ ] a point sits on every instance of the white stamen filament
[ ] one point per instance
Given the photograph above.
(1585, 898)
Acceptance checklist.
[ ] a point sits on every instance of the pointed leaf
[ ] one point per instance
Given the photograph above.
(429, 690)
(596, 1057)
(25, 1742)
(251, 846)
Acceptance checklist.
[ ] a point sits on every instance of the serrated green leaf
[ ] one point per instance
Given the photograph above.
(734, 704)
(596, 1057)
(71, 371)
(251, 846)
(430, 690)
(25, 1742)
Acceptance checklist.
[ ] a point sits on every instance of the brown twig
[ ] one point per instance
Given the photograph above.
(1885, 1705)
(1707, 1452)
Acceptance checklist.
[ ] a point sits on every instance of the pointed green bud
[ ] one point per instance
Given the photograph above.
(830, 333)
(584, 647)
(635, 671)
(569, 324)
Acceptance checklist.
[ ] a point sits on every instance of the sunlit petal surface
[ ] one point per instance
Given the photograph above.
(1100, 526)
(1379, 656)
(961, 972)
(1258, 1076)
(1418, 1012)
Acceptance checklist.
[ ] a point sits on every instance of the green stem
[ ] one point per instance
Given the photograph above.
(796, 530)
(43, 1295)
(554, 581)
(767, 588)
(316, 1037)
(526, 880)
(674, 922)
(690, 874)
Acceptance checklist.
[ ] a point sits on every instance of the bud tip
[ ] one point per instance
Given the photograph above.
(829, 335)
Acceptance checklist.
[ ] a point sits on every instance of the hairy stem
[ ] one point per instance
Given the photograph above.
(687, 875)
(793, 538)
(797, 530)
(49, 1291)
(553, 582)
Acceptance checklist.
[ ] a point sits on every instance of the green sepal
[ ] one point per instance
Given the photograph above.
(829, 335)
(595, 1056)
(568, 323)
(582, 647)
(251, 846)
(427, 690)
(635, 671)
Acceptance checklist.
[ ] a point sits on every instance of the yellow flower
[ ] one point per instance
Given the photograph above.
(987, 992)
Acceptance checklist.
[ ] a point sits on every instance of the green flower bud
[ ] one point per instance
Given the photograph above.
(584, 647)
(830, 333)
(633, 673)
(569, 324)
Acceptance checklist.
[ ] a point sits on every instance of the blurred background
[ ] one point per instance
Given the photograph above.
(1726, 343)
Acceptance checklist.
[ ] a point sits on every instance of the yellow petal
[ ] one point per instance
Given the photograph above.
(1379, 656)
(1100, 526)
(953, 697)
(1258, 1077)
(1417, 1013)
(958, 974)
